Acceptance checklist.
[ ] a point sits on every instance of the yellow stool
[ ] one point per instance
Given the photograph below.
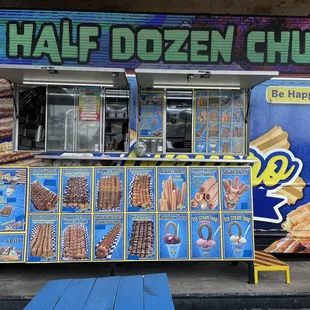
(266, 262)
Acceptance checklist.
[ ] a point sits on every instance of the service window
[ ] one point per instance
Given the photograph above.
(56, 118)
(179, 121)
(116, 120)
(219, 122)
(60, 118)
(151, 120)
(193, 121)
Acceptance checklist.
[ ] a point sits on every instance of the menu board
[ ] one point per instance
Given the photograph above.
(42, 243)
(44, 190)
(76, 190)
(13, 191)
(108, 237)
(141, 236)
(109, 189)
(219, 122)
(99, 214)
(151, 114)
(172, 189)
(75, 231)
(89, 104)
(12, 248)
(173, 236)
(141, 189)
(237, 213)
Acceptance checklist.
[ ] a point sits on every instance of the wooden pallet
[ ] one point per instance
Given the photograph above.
(266, 262)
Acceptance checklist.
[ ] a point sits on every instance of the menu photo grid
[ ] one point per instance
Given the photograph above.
(219, 122)
(218, 226)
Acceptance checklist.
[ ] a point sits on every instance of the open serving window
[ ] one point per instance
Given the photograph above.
(203, 112)
(70, 109)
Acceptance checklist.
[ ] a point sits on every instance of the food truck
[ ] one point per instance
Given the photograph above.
(146, 137)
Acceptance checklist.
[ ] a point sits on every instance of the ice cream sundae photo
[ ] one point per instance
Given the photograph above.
(172, 241)
(233, 192)
(203, 243)
(237, 241)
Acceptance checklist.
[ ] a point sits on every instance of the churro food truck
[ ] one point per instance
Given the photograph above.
(147, 137)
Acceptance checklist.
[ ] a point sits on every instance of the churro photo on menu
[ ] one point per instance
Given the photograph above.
(172, 189)
(44, 190)
(141, 189)
(204, 192)
(236, 189)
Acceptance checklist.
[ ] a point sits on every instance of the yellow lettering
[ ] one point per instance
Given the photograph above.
(273, 173)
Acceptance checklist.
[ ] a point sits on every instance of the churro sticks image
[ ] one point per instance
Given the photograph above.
(75, 242)
(233, 192)
(106, 246)
(172, 197)
(141, 191)
(207, 196)
(109, 193)
(141, 239)
(42, 198)
(41, 242)
(76, 193)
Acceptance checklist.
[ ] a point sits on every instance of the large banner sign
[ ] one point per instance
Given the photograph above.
(280, 141)
(139, 40)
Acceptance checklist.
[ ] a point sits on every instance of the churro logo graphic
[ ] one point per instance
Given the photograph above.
(275, 168)
(276, 182)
